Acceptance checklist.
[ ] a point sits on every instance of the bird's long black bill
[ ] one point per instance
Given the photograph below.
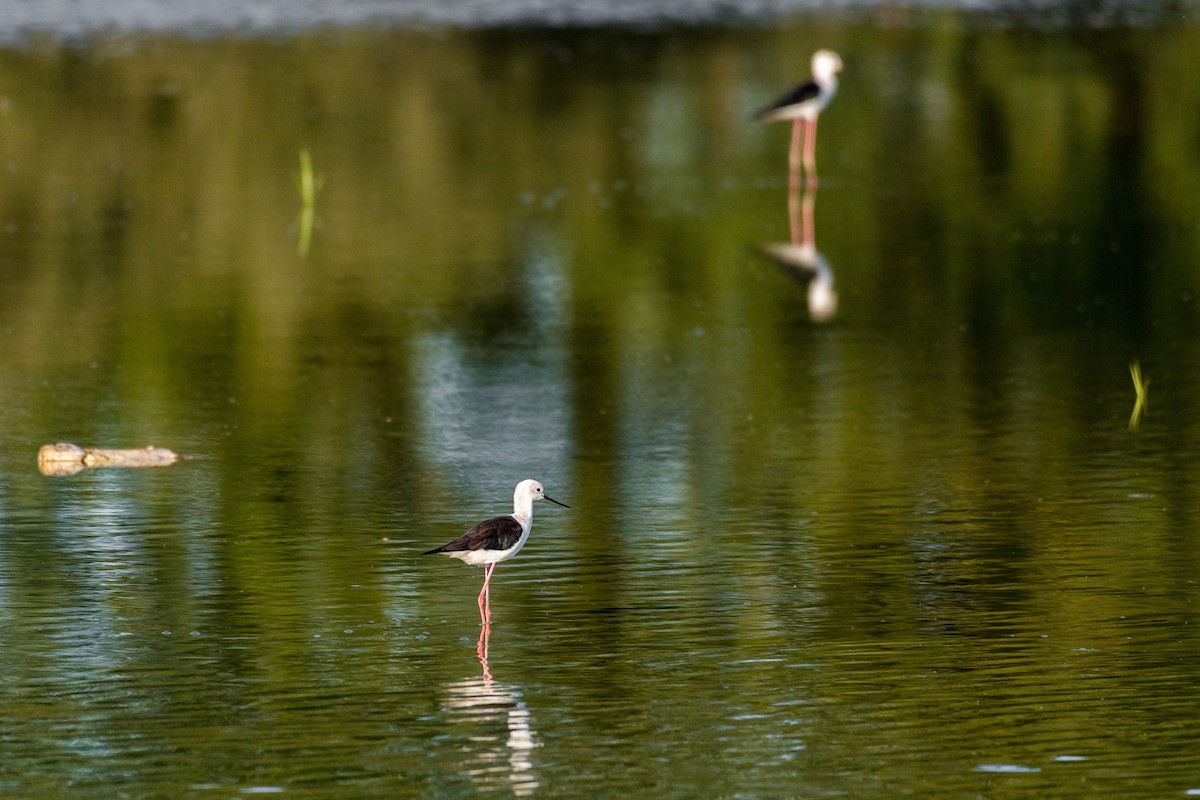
(552, 500)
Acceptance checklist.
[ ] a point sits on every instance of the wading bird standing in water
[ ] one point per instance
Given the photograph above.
(496, 540)
(803, 105)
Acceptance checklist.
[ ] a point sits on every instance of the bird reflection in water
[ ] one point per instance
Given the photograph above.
(501, 738)
(800, 257)
(481, 650)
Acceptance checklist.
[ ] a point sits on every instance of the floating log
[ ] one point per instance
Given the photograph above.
(63, 458)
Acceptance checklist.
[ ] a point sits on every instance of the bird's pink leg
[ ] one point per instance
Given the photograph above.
(810, 148)
(485, 595)
(808, 231)
(794, 154)
(795, 226)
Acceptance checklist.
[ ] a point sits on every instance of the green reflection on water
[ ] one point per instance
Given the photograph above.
(914, 551)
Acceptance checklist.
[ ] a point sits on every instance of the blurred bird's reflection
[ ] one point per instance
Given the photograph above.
(801, 259)
(501, 738)
(481, 650)
(806, 264)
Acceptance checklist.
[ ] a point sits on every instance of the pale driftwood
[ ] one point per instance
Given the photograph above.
(64, 458)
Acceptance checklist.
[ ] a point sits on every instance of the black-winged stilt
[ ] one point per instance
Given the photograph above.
(803, 105)
(498, 539)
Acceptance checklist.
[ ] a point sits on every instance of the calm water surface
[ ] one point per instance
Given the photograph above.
(913, 549)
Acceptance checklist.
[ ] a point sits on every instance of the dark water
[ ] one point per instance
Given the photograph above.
(913, 549)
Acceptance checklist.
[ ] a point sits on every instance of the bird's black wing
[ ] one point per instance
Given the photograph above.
(800, 94)
(500, 533)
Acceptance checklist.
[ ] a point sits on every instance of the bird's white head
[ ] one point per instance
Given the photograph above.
(826, 64)
(531, 490)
